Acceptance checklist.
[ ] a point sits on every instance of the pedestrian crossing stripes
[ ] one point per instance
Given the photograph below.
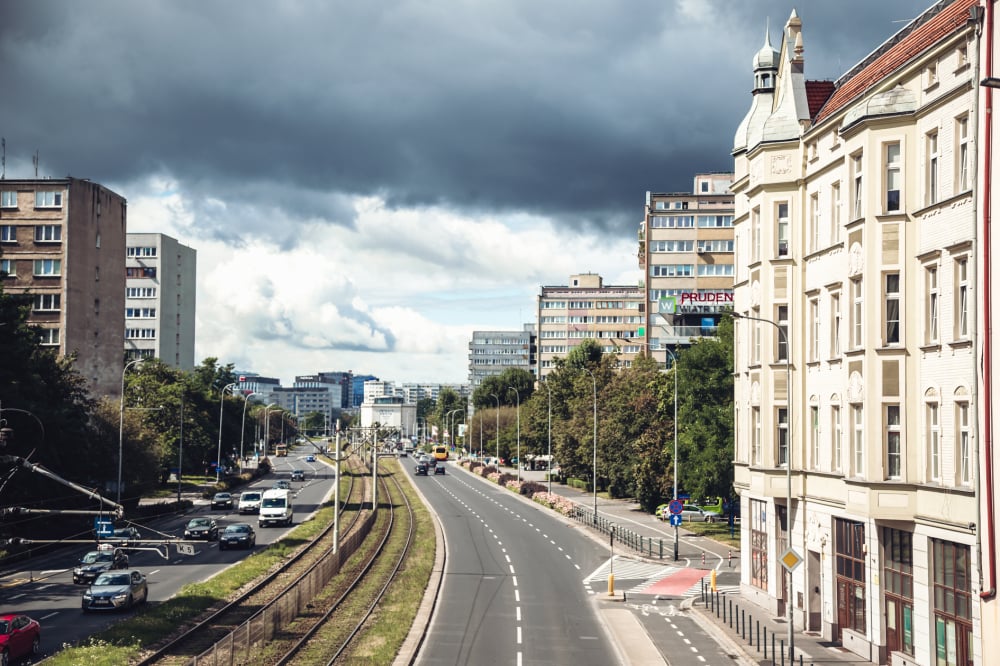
(636, 577)
(626, 569)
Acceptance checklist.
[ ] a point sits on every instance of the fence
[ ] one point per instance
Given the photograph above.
(644, 545)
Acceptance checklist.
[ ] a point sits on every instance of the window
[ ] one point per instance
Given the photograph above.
(661, 205)
(858, 186)
(893, 443)
(814, 222)
(931, 324)
(8, 233)
(7, 267)
(142, 272)
(934, 441)
(755, 233)
(962, 298)
(755, 442)
(858, 439)
(814, 322)
(140, 313)
(814, 435)
(140, 333)
(8, 199)
(715, 221)
(672, 270)
(932, 168)
(849, 545)
(715, 270)
(150, 292)
(45, 267)
(835, 213)
(783, 225)
(48, 337)
(46, 302)
(140, 251)
(758, 544)
(930, 75)
(892, 308)
(952, 603)
(857, 312)
(964, 462)
(48, 199)
(898, 576)
(838, 438)
(962, 154)
(782, 334)
(893, 177)
(835, 325)
(48, 233)
(782, 436)
(756, 343)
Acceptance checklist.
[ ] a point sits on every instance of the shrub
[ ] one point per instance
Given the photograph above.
(530, 488)
(553, 501)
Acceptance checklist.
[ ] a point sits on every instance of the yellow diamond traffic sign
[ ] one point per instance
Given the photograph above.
(791, 559)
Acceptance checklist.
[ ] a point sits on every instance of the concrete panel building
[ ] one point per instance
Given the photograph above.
(62, 241)
(493, 352)
(160, 299)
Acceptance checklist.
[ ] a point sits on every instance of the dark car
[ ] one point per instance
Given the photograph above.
(124, 537)
(20, 636)
(96, 562)
(201, 528)
(282, 484)
(421, 468)
(222, 501)
(298, 475)
(114, 590)
(238, 535)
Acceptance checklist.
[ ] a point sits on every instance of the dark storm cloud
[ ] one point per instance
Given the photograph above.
(566, 109)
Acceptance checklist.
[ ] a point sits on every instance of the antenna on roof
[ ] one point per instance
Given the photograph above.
(3, 158)
(34, 160)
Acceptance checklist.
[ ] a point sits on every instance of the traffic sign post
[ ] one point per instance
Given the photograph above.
(790, 560)
(676, 520)
(103, 527)
(676, 507)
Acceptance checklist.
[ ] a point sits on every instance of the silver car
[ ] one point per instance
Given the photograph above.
(114, 590)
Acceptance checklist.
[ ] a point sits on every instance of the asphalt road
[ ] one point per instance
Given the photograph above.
(44, 589)
(512, 588)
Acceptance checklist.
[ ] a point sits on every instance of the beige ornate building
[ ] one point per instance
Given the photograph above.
(856, 380)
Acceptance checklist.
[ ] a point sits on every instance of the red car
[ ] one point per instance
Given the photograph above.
(19, 637)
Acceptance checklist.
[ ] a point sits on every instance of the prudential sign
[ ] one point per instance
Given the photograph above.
(696, 302)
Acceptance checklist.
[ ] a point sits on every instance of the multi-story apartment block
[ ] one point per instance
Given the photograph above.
(493, 352)
(686, 251)
(63, 242)
(586, 308)
(160, 283)
(856, 379)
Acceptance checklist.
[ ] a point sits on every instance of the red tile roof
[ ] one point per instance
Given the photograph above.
(944, 23)
(817, 92)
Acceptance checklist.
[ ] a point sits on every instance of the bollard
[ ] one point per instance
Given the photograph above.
(743, 617)
(800, 659)
(703, 559)
(730, 559)
(765, 642)
(723, 610)
(782, 652)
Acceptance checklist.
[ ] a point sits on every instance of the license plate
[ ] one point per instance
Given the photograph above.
(233, 541)
(102, 602)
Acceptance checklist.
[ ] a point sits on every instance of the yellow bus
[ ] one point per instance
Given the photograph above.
(281, 450)
(440, 452)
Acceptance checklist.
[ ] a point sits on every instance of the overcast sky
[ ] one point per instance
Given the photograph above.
(367, 182)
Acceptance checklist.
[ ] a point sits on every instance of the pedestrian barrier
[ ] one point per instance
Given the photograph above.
(644, 545)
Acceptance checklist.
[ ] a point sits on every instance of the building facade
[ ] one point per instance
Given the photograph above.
(493, 352)
(686, 250)
(855, 379)
(62, 241)
(586, 308)
(160, 289)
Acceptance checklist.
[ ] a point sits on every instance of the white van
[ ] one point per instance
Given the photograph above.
(275, 507)
(249, 502)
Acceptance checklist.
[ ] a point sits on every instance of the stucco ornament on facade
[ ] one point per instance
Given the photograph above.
(856, 262)
(755, 393)
(856, 388)
(781, 165)
(755, 294)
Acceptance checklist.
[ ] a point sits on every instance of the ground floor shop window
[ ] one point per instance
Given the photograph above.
(898, 575)
(850, 562)
(952, 604)
(758, 544)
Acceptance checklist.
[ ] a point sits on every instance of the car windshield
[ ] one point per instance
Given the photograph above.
(96, 556)
(237, 529)
(198, 522)
(274, 502)
(250, 497)
(112, 579)
(222, 496)
(127, 533)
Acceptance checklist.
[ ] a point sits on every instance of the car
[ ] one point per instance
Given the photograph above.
(124, 537)
(439, 467)
(401, 453)
(115, 590)
(298, 475)
(222, 501)
(692, 513)
(310, 458)
(201, 528)
(282, 484)
(249, 502)
(96, 562)
(421, 468)
(20, 636)
(238, 535)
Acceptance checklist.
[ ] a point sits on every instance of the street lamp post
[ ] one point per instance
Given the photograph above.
(676, 459)
(267, 425)
(549, 463)
(448, 421)
(121, 429)
(517, 395)
(788, 460)
(218, 457)
(497, 398)
(180, 455)
(243, 428)
(594, 379)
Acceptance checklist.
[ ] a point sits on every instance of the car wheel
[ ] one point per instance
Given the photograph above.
(36, 645)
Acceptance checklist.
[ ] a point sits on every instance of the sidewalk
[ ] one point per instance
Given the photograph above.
(727, 615)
